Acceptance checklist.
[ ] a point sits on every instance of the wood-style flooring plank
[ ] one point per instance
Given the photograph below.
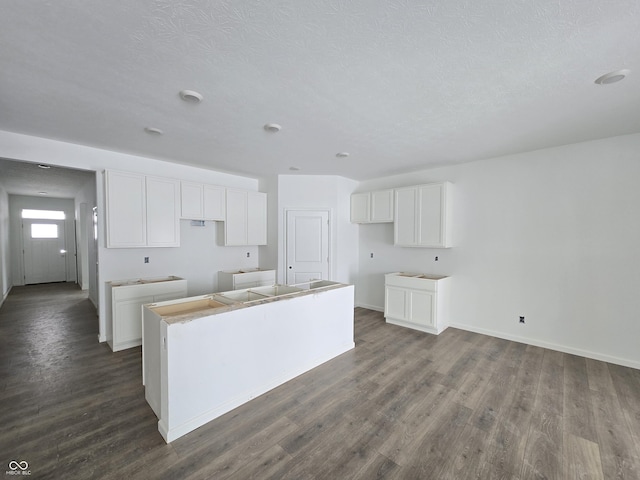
(581, 459)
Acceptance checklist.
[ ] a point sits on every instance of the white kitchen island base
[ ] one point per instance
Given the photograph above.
(203, 358)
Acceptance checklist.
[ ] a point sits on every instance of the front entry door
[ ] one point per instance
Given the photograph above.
(307, 245)
(44, 251)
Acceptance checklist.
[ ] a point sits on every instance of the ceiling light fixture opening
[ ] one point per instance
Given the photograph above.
(272, 127)
(342, 154)
(294, 169)
(153, 131)
(42, 193)
(612, 77)
(43, 166)
(190, 96)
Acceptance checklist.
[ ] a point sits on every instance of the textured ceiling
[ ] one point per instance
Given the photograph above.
(24, 178)
(401, 85)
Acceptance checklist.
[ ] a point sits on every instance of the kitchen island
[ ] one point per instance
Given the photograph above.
(206, 355)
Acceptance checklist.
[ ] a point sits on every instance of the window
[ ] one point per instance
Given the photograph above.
(43, 214)
(44, 230)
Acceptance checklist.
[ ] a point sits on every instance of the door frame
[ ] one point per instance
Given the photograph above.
(283, 263)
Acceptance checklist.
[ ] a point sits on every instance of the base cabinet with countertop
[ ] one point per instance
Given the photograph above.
(124, 306)
(204, 356)
(418, 301)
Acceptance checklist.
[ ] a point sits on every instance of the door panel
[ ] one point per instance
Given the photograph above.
(44, 250)
(307, 246)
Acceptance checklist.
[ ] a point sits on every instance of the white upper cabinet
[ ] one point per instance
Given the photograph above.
(246, 218)
(141, 211)
(214, 202)
(126, 212)
(256, 218)
(423, 216)
(202, 202)
(163, 212)
(372, 207)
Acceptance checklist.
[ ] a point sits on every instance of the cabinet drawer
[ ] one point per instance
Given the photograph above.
(421, 282)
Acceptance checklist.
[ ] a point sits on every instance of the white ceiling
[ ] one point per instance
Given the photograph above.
(401, 85)
(24, 178)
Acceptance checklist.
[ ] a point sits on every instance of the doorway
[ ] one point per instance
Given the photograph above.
(307, 245)
(44, 251)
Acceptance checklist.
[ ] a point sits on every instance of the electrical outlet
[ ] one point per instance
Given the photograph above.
(146, 259)
(248, 254)
(371, 254)
(436, 259)
(521, 319)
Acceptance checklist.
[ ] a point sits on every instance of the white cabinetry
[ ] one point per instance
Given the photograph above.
(417, 301)
(202, 202)
(372, 207)
(423, 216)
(124, 308)
(240, 279)
(246, 218)
(163, 212)
(141, 211)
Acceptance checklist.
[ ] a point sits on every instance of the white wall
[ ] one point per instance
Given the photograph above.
(19, 202)
(5, 258)
(200, 255)
(553, 235)
(322, 192)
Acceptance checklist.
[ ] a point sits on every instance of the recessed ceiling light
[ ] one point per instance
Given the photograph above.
(45, 167)
(295, 169)
(612, 77)
(190, 96)
(42, 193)
(342, 154)
(153, 131)
(272, 127)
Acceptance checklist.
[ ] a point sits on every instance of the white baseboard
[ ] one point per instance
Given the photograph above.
(370, 307)
(4, 297)
(551, 346)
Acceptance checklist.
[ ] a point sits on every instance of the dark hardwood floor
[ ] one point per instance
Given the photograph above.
(401, 405)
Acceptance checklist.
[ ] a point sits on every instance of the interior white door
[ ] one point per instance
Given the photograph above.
(44, 250)
(307, 245)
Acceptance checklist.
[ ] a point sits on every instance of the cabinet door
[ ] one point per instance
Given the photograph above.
(191, 195)
(127, 320)
(235, 225)
(431, 216)
(360, 207)
(405, 225)
(256, 218)
(395, 303)
(381, 206)
(126, 210)
(421, 307)
(163, 212)
(214, 202)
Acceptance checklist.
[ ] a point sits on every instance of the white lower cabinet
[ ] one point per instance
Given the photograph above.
(124, 309)
(417, 301)
(239, 279)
